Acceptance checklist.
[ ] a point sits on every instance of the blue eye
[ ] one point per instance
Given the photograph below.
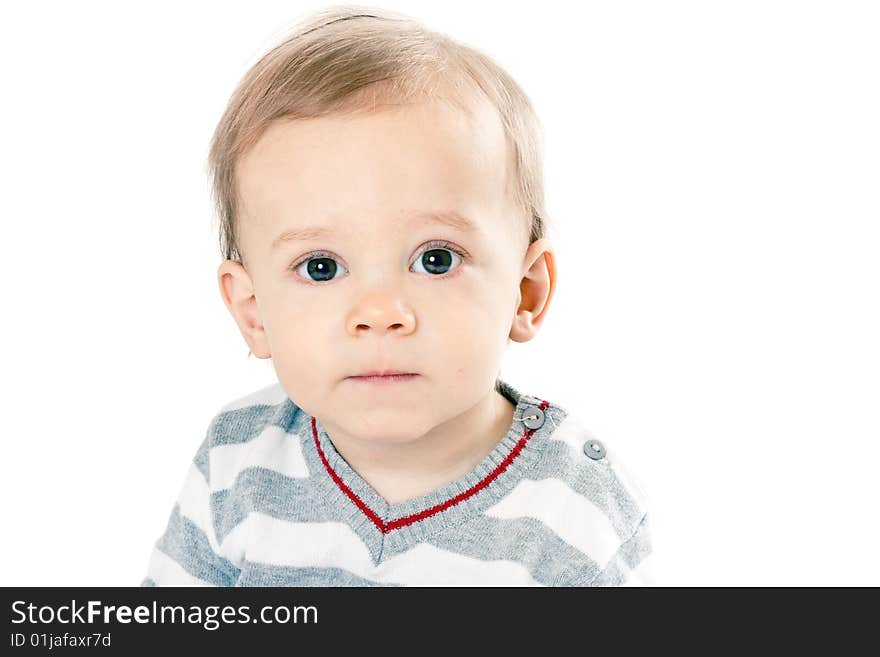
(436, 260)
(319, 268)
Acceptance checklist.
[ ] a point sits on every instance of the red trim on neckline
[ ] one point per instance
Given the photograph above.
(437, 508)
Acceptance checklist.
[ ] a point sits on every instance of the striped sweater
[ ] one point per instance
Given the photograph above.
(268, 501)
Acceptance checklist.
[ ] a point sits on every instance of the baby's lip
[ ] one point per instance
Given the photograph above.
(380, 373)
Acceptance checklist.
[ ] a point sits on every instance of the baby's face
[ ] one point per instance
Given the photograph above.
(347, 272)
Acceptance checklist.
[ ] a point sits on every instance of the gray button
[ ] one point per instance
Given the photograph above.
(594, 449)
(533, 417)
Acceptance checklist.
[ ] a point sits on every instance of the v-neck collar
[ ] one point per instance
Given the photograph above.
(388, 529)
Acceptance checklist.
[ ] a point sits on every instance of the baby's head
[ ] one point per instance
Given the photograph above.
(380, 196)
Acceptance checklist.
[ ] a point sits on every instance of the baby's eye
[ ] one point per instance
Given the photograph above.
(437, 260)
(319, 268)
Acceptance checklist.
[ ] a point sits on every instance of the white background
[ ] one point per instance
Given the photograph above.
(712, 170)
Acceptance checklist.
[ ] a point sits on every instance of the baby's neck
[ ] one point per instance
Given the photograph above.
(403, 472)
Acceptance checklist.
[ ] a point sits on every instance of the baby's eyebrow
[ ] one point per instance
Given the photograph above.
(449, 218)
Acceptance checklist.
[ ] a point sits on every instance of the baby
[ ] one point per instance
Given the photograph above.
(380, 193)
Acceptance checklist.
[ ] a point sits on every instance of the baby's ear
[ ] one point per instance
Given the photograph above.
(536, 290)
(237, 292)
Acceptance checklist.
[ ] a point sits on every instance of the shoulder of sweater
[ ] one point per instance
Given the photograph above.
(244, 418)
(592, 465)
(240, 433)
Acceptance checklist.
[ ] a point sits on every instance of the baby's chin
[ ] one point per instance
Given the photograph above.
(391, 426)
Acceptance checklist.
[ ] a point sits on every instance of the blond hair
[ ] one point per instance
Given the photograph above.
(350, 59)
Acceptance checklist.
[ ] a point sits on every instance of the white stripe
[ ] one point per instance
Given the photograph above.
(279, 542)
(271, 395)
(572, 432)
(429, 565)
(274, 449)
(642, 574)
(165, 571)
(336, 545)
(571, 516)
(195, 504)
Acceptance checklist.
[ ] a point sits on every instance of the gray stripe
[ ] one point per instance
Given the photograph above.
(188, 545)
(627, 557)
(258, 574)
(292, 499)
(239, 425)
(594, 480)
(526, 541)
(244, 424)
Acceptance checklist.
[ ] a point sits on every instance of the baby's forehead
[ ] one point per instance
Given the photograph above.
(425, 158)
(404, 129)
